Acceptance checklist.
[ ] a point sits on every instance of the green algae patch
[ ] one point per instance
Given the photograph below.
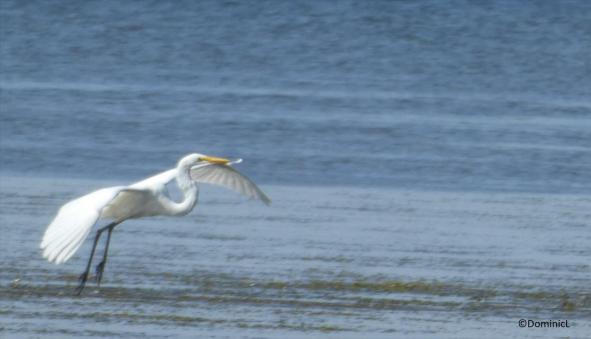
(567, 302)
(330, 328)
(389, 286)
(399, 287)
(302, 327)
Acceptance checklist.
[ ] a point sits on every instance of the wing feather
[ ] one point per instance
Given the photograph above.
(227, 176)
(74, 241)
(73, 222)
(158, 180)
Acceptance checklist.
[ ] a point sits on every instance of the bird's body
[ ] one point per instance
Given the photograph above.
(150, 197)
(146, 198)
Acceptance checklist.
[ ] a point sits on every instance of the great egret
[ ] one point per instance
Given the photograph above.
(148, 197)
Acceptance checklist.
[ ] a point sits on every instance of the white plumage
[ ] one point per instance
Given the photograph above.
(148, 197)
(226, 176)
(73, 222)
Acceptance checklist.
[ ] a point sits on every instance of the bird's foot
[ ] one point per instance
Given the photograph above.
(83, 278)
(100, 268)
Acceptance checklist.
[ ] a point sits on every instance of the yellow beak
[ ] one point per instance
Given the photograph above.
(215, 160)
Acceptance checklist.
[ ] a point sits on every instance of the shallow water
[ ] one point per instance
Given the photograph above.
(337, 262)
(429, 164)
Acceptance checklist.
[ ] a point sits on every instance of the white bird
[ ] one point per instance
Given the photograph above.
(149, 197)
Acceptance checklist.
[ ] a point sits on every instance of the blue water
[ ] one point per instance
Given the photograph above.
(429, 165)
(429, 95)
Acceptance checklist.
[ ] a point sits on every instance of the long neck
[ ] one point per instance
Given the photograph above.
(190, 193)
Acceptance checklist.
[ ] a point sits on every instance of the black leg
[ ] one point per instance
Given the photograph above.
(84, 276)
(100, 268)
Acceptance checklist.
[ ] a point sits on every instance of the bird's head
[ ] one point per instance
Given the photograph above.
(197, 158)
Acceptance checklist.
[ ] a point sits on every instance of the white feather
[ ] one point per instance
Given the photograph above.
(226, 176)
(72, 224)
(75, 219)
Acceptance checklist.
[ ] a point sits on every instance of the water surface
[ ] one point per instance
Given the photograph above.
(429, 164)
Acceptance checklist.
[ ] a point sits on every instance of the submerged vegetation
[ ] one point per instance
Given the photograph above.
(338, 295)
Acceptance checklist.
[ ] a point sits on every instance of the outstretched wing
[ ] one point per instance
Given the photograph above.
(157, 181)
(226, 176)
(73, 222)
